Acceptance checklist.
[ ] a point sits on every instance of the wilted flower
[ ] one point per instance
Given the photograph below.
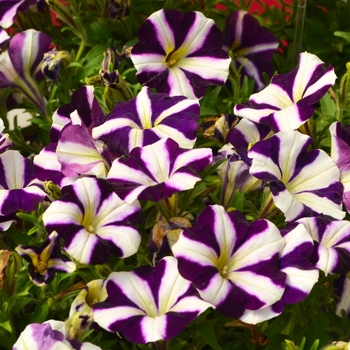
(288, 102)
(149, 303)
(46, 260)
(180, 54)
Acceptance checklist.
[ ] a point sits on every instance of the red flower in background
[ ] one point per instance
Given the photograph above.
(257, 8)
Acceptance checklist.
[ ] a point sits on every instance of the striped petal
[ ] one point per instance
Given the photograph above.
(158, 170)
(149, 304)
(180, 54)
(147, 119)
(233, 265)
(252, 45)
(287, 103)
(302, 183)
(93, 221)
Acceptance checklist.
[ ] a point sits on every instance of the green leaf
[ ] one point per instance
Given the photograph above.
(344, 35)
(40, 314)
(328, 105)
(7, 326)
(206, 330)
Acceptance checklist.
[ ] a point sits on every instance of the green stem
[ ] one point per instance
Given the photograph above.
(81, 49)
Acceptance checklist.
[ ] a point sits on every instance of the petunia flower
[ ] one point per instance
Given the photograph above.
(20, 64)
(9, 9)
(73, 151)
(301, 273)
(148, 118)
(46, 260)
(288, 101)
(19, 188)
(232, 264)
(49, 336)
(4, 37)
(252, 45)
(332, 243)
(340, 153)
(302, 183)
(94, 292)
(149, 303)
(94, 221)
(342, 291)
(158, 171)
(234, 174)
(180, 54)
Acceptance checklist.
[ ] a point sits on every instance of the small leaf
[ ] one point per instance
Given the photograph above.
(344, 35)
(207, 332)
(7, 326)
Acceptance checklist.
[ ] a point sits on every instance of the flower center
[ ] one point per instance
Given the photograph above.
(90, 228)
(41, 267)
(173, 57)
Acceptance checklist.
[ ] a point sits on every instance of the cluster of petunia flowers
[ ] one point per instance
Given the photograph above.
(98, 168)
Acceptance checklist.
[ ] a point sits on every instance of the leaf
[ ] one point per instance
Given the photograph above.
(40, 314)
(7, 326)
(344, 35)
(207, 332)
(328, 105)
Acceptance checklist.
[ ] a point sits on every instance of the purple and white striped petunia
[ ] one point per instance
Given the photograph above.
(233, 265)
(342, 290)
(46, 260)
(252, 45)
(50, 335)
(301, 274)
(4, 37)
(20, 64)
(94, 292)
(94, 221)
(234, 174)
(287, 102)
(302, 183)
(331, 243)
(340, 152)
(18, 186)
(149, 303)
(148, 118)
(158, 171)
(180, 54)
(9, 8)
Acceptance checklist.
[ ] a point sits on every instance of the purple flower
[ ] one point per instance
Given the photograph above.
(233, 265)
(9, 8)
(149, 304)
(287, 102)
(340, 152)
(94, 221)
(301, 273)
(18, 186)
(180, 54)
(147, 119)
(332, 243)
(20, 64)
(46, 260)
(252, 45)
(49, 336)
(158, 171)
(302, 183)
